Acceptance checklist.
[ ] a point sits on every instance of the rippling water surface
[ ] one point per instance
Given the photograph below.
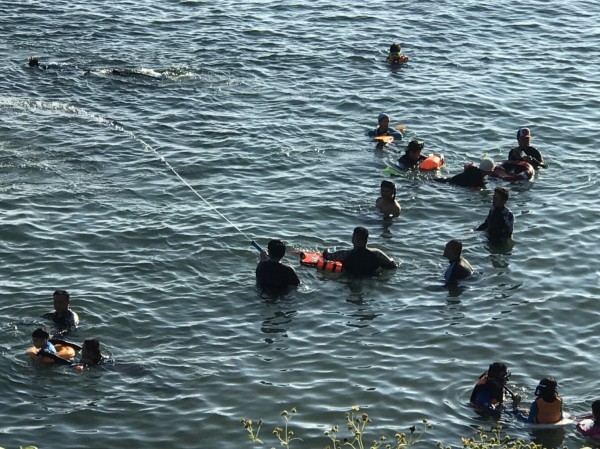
(112, 187)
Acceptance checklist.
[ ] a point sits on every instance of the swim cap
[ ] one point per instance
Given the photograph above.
(523, 132)
(486, 164)
(382, 116)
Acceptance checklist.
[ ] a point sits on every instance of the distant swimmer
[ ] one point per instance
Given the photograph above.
(383, 128)
(500, 221)
(63, 317)
(271, 274)
(471, 176)
(525, 152)
(395, 55)
(361, 261)
(412, 156)
(387, 203)
(140, 73)
(459, 267)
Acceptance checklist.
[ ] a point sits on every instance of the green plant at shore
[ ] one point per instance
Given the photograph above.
(357, 426)
(357, 423)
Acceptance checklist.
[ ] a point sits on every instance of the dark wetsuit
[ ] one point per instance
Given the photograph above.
(275, 276)
(458, 269)
(408, 163)
(499, 223)
(67, 322)
(361, 261)
(389, 132)
(487, 395)
(536, 157)
(471, 177)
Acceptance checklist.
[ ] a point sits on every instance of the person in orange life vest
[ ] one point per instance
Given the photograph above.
(591, 429)
(271, 274)
(488, 394)
(547, 408)
(395, 56)
(387, 203)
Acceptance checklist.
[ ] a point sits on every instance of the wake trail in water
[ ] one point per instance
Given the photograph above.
(28, 105)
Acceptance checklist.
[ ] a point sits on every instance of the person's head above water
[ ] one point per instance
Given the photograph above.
(498, 372)
(414, 148)
(383, 120)
(547, 389)
(276, 249)
(360, 237)
(33, 62)
(524, 137)
(388, 189)
(453, 249)
(500, 196)
(90, 351)
(395, 48)
(40, 337)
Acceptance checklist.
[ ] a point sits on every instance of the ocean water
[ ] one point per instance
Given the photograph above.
(246, 120)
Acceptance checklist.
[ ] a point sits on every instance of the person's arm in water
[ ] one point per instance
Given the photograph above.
(483, 226)
(338, 255)
(385, 260)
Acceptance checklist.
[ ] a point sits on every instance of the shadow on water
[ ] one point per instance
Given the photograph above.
(548, 438)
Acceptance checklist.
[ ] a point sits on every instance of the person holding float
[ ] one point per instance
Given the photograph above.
(361, 261)
(471, 176)
(500, 221)
(383, 129)
(387, 203)
(459, 267)
(488, 393)
(412, 155)
(589, 426)
(271, 274)
(525, 152)
(51, 351)
(395, 55)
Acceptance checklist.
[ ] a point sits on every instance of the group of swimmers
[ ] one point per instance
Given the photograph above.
(65, 320)
(488, 396)
(361, 260)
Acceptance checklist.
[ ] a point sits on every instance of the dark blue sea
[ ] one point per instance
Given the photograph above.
(139, 193)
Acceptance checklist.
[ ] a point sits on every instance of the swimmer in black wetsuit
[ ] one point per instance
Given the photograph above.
(532, 154)
(471, 176)
(500, 221)
(488, 394)
(271, 274)
(459, 268)
(412, 156)
(361, 261)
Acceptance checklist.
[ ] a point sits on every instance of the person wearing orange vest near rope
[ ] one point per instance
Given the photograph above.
(547, 408)
(488, 393)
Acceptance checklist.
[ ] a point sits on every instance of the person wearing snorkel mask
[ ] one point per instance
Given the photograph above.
(488, 394)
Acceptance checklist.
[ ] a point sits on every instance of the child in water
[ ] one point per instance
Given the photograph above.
(395, 56)
(590, 425)
(387, 203)
(40, 339)
(547, 408)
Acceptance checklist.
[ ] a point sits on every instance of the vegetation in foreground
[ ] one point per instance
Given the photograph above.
(357, 424)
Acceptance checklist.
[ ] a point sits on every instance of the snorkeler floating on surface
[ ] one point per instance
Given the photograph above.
(142, 73)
